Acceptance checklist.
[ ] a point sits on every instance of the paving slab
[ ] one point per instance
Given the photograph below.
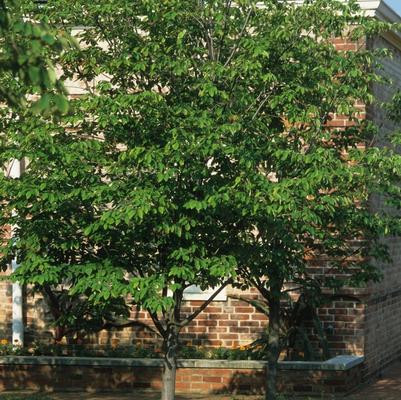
(387, 387)
(137, 395)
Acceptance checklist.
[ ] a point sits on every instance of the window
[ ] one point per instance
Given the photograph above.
(194, 292)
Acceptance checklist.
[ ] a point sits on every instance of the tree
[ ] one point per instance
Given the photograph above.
(28, 78)
(27, 48)
(200, 153)
(105, 205)
(302, 188)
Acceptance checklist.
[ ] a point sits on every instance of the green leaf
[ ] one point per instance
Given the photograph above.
(61, 103)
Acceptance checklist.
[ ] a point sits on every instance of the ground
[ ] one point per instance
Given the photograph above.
(388, 387)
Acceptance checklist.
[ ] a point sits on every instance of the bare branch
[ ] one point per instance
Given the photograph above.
(230, 57)
(127, 324)
(158, 324)
(189, 319)
(294, 289)
(262, 103)
(226, 16)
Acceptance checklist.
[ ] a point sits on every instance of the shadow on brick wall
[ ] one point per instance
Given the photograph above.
(38, 322)
(48, 378)
(6, 330)
(239, 382)
(5, 309)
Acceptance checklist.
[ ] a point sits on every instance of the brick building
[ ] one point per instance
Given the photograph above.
(369, 325)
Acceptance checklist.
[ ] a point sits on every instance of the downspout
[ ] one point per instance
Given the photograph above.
(17, 298)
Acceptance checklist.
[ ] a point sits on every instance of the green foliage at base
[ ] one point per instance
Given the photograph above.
(185, 352)
(25, 397)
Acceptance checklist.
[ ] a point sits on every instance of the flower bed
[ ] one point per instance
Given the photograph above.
(341, 374)
(185, 352)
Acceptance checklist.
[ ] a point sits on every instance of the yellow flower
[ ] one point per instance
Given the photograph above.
(3, 342)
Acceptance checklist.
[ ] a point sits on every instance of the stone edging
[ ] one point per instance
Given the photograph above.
(339, 363)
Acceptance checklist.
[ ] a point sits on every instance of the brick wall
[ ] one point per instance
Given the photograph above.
(5, 308)
(229, 323)
(206, 380)
(5, 300)
(383, 307)
(343, 321)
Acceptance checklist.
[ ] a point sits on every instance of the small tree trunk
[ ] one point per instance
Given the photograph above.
(170, 364)
(274, 346)
(58, 334)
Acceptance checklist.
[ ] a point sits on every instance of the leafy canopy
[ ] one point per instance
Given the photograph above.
(27, 50)
(201, 149)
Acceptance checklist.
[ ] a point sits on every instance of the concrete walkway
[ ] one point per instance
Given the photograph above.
(148, 396)
(388, 387)
(116, 396)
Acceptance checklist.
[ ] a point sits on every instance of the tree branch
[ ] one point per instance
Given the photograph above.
(127, 324)
(189, 319)
(226, 16)
(248, 16)
(157, 323)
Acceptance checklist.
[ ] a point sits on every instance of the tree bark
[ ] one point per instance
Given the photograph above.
(170, 363)
(274, 345)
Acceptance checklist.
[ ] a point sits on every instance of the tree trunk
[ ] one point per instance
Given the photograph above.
(170, 364)
(274, 345)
